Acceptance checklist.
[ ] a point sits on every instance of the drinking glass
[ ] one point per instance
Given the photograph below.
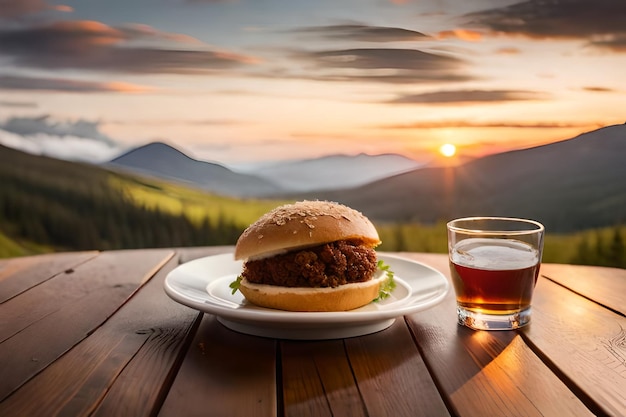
(494, 263)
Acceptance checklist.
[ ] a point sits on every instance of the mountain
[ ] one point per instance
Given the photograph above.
(569, 185)
(163, 161)
(334, 171)
(325, 173)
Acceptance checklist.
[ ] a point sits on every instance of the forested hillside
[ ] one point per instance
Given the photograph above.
(75, 207)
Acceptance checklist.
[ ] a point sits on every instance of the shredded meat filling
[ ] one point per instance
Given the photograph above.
(328, 265)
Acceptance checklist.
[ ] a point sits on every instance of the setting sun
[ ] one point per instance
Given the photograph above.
(448, 150)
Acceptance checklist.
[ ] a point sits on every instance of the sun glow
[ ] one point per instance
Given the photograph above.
(448, 150)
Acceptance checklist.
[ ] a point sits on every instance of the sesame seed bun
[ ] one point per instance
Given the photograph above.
(302, 224)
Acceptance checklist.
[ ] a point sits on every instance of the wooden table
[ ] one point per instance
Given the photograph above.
(93, 333)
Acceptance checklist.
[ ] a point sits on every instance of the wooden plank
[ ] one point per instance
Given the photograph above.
(73, 284)
(487, 373)
(318, 381)
(224, 374)
(141, 387)
(56, 315)
(391, 375)
(19, 274)
(493, 373)
(122, 368)
(606, 286)
(584, 342)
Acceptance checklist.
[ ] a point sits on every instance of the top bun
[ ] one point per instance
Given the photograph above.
(302, 224)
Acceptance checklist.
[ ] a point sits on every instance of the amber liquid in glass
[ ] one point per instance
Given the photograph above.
(494, 276)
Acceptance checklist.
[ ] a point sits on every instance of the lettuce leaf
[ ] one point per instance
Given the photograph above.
(235, 284)
(388, 285)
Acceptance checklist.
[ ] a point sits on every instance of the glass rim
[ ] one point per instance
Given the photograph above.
(538, 226)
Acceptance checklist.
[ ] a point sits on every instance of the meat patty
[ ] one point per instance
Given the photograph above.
(328, 265)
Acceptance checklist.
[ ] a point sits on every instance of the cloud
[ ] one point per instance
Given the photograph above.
(482, 125)
(8, 82)
(63, 8)
(386, 65)
(468, 96)
(80, 140)
(599, 21)
(362, 33)
(28, 126)
(90, 45)
(615, 43)
(18, 104)
(138, 31)
(508, 50)
(597, 89)
(16, 8)
(208, 1)
(71, 148)
(462, 34)
(180, 122)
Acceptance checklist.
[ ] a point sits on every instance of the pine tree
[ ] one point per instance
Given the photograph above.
(584, 254)
(616, 251)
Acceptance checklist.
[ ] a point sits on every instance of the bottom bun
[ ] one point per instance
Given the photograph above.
(341, 298)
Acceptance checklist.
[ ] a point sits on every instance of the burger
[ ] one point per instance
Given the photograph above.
(311, 256)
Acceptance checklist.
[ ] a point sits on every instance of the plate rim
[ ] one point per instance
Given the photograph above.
(265, 315)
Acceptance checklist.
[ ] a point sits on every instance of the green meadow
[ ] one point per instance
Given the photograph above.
(196, 205)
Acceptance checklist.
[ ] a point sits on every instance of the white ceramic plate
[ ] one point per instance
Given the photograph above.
(203, 285)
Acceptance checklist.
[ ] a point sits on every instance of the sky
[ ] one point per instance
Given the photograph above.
(246, 81)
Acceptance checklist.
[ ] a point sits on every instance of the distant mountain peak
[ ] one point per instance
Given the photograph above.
(162, 160)
(335, 171)
(154, 148)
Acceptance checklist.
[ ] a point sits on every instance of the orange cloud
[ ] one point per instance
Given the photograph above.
(447, 124)
(120, 87)
(596, 89)
(92, 45)
(139, 29)
(508, 51)
(86, 32)
(8, 82)
(11, 9)
(63, 8)
(462, 34)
